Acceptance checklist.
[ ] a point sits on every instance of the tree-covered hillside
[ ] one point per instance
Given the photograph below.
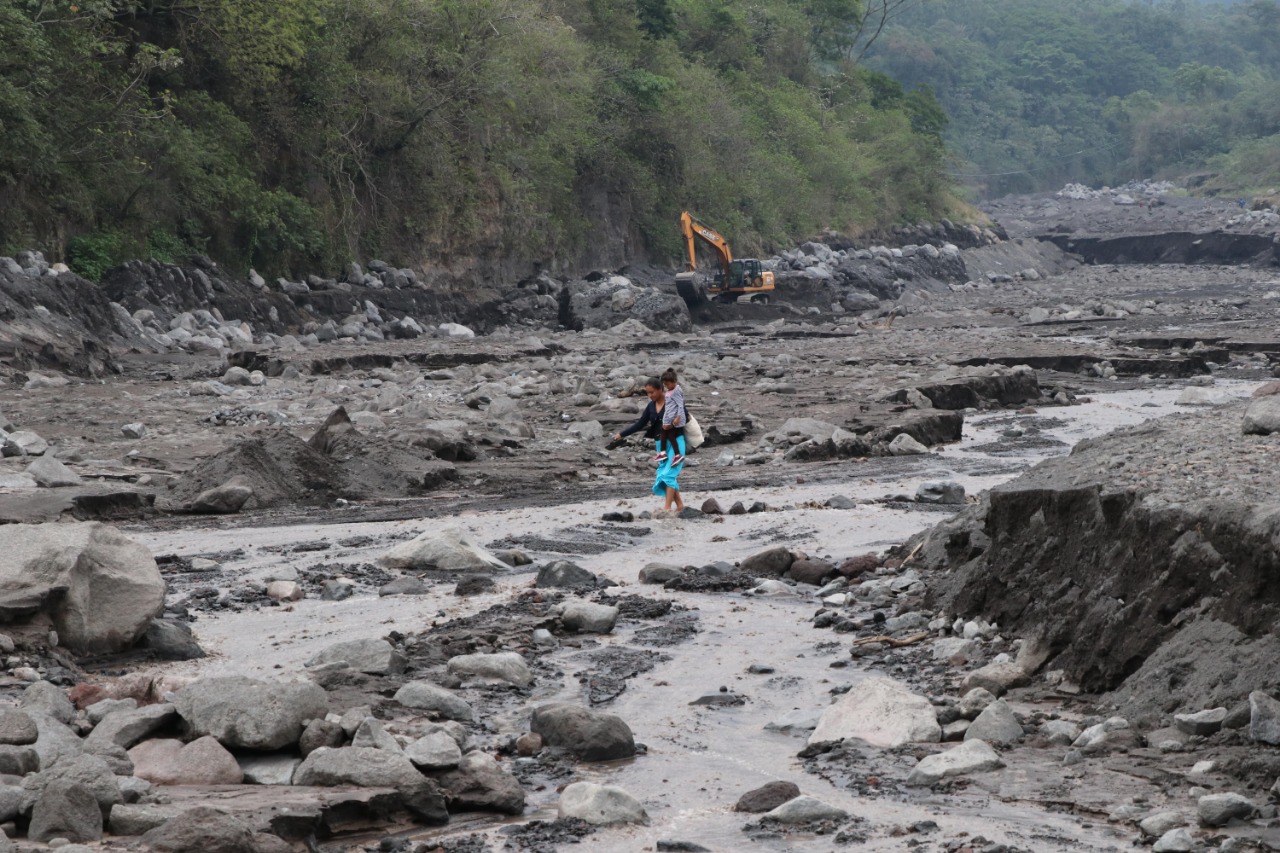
(1041, 92)
(294, 134)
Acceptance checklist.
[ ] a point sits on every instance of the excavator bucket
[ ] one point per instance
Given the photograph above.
(691, 288)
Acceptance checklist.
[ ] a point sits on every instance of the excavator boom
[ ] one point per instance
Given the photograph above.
(692, 229)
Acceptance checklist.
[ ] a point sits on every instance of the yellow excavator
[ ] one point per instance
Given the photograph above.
(744, 280)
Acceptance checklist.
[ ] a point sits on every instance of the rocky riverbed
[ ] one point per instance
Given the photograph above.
(378, 590)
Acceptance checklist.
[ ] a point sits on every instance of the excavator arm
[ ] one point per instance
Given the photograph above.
(692, 230)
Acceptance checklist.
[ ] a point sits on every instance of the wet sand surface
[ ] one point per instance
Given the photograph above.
(700, 759)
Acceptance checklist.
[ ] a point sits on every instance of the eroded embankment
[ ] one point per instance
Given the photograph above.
(1147, 560)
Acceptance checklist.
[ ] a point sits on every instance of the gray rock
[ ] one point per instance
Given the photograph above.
(657, 573)
(563, 573)
(169, 639)
(600, 804)
(208, 830)
(27, 443)
(133, 789)
(804, 809)
(905, 445)
(881, 711)
(767, 797)
(1156, 825)
(798, 722)
(228, 498)
(320, 733)
(50, 699)
(1221, 809)
(353, 718)
(425, 696)
(1097, 736)
(99, 589)
(972, 756)
(167, 761)
(480, 784)
(244, 713)
(447, 550)
(374, 656)
(65, 809)
(1060, 732)
(587, 617)
(374, 768)
(434, 751)
(129, 820)
(1175, 841)
(996, 724)
(117, 758)
(940, 492)
(11, 797)
(1202, 723)
(590, 735)
(407, 585)
(1264, 717)
(1262, 417)
(87, 770)
(267, 769)
(507, 667)
(20, 760)
(56, 742)
(371, 734)
(128, 726)
(16, 728)
(997, 678)
(946, 648)
(135, 430)
(52, 474)
(774, 562)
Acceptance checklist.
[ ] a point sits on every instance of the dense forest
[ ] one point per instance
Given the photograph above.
(296, 134)
(1041, 92)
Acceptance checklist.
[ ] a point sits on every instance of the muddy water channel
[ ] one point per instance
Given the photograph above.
(762, 649)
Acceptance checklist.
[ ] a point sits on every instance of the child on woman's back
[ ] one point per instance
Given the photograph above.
(673, 420)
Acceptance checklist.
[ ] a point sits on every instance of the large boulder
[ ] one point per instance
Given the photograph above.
(88, 770)
(587, 617)
(67, 810)
(128, 726)
(51, 473)
(1262, 417)
(228, 498)
(972, 756)
(99, 589)
(47, 698)
(244, 713)
(802, 810)
(204, 761)
(374, 656)
(480, 784)
(447, 550)
(600, 804)
(434, 751)
(995, 724)
(207, 830)
(590, 735)
(375, 768)
(771, 563)
(425, 696)
(882, 712)
(17, 728)
(506, 667)
(562, 573)
(1264, 718)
